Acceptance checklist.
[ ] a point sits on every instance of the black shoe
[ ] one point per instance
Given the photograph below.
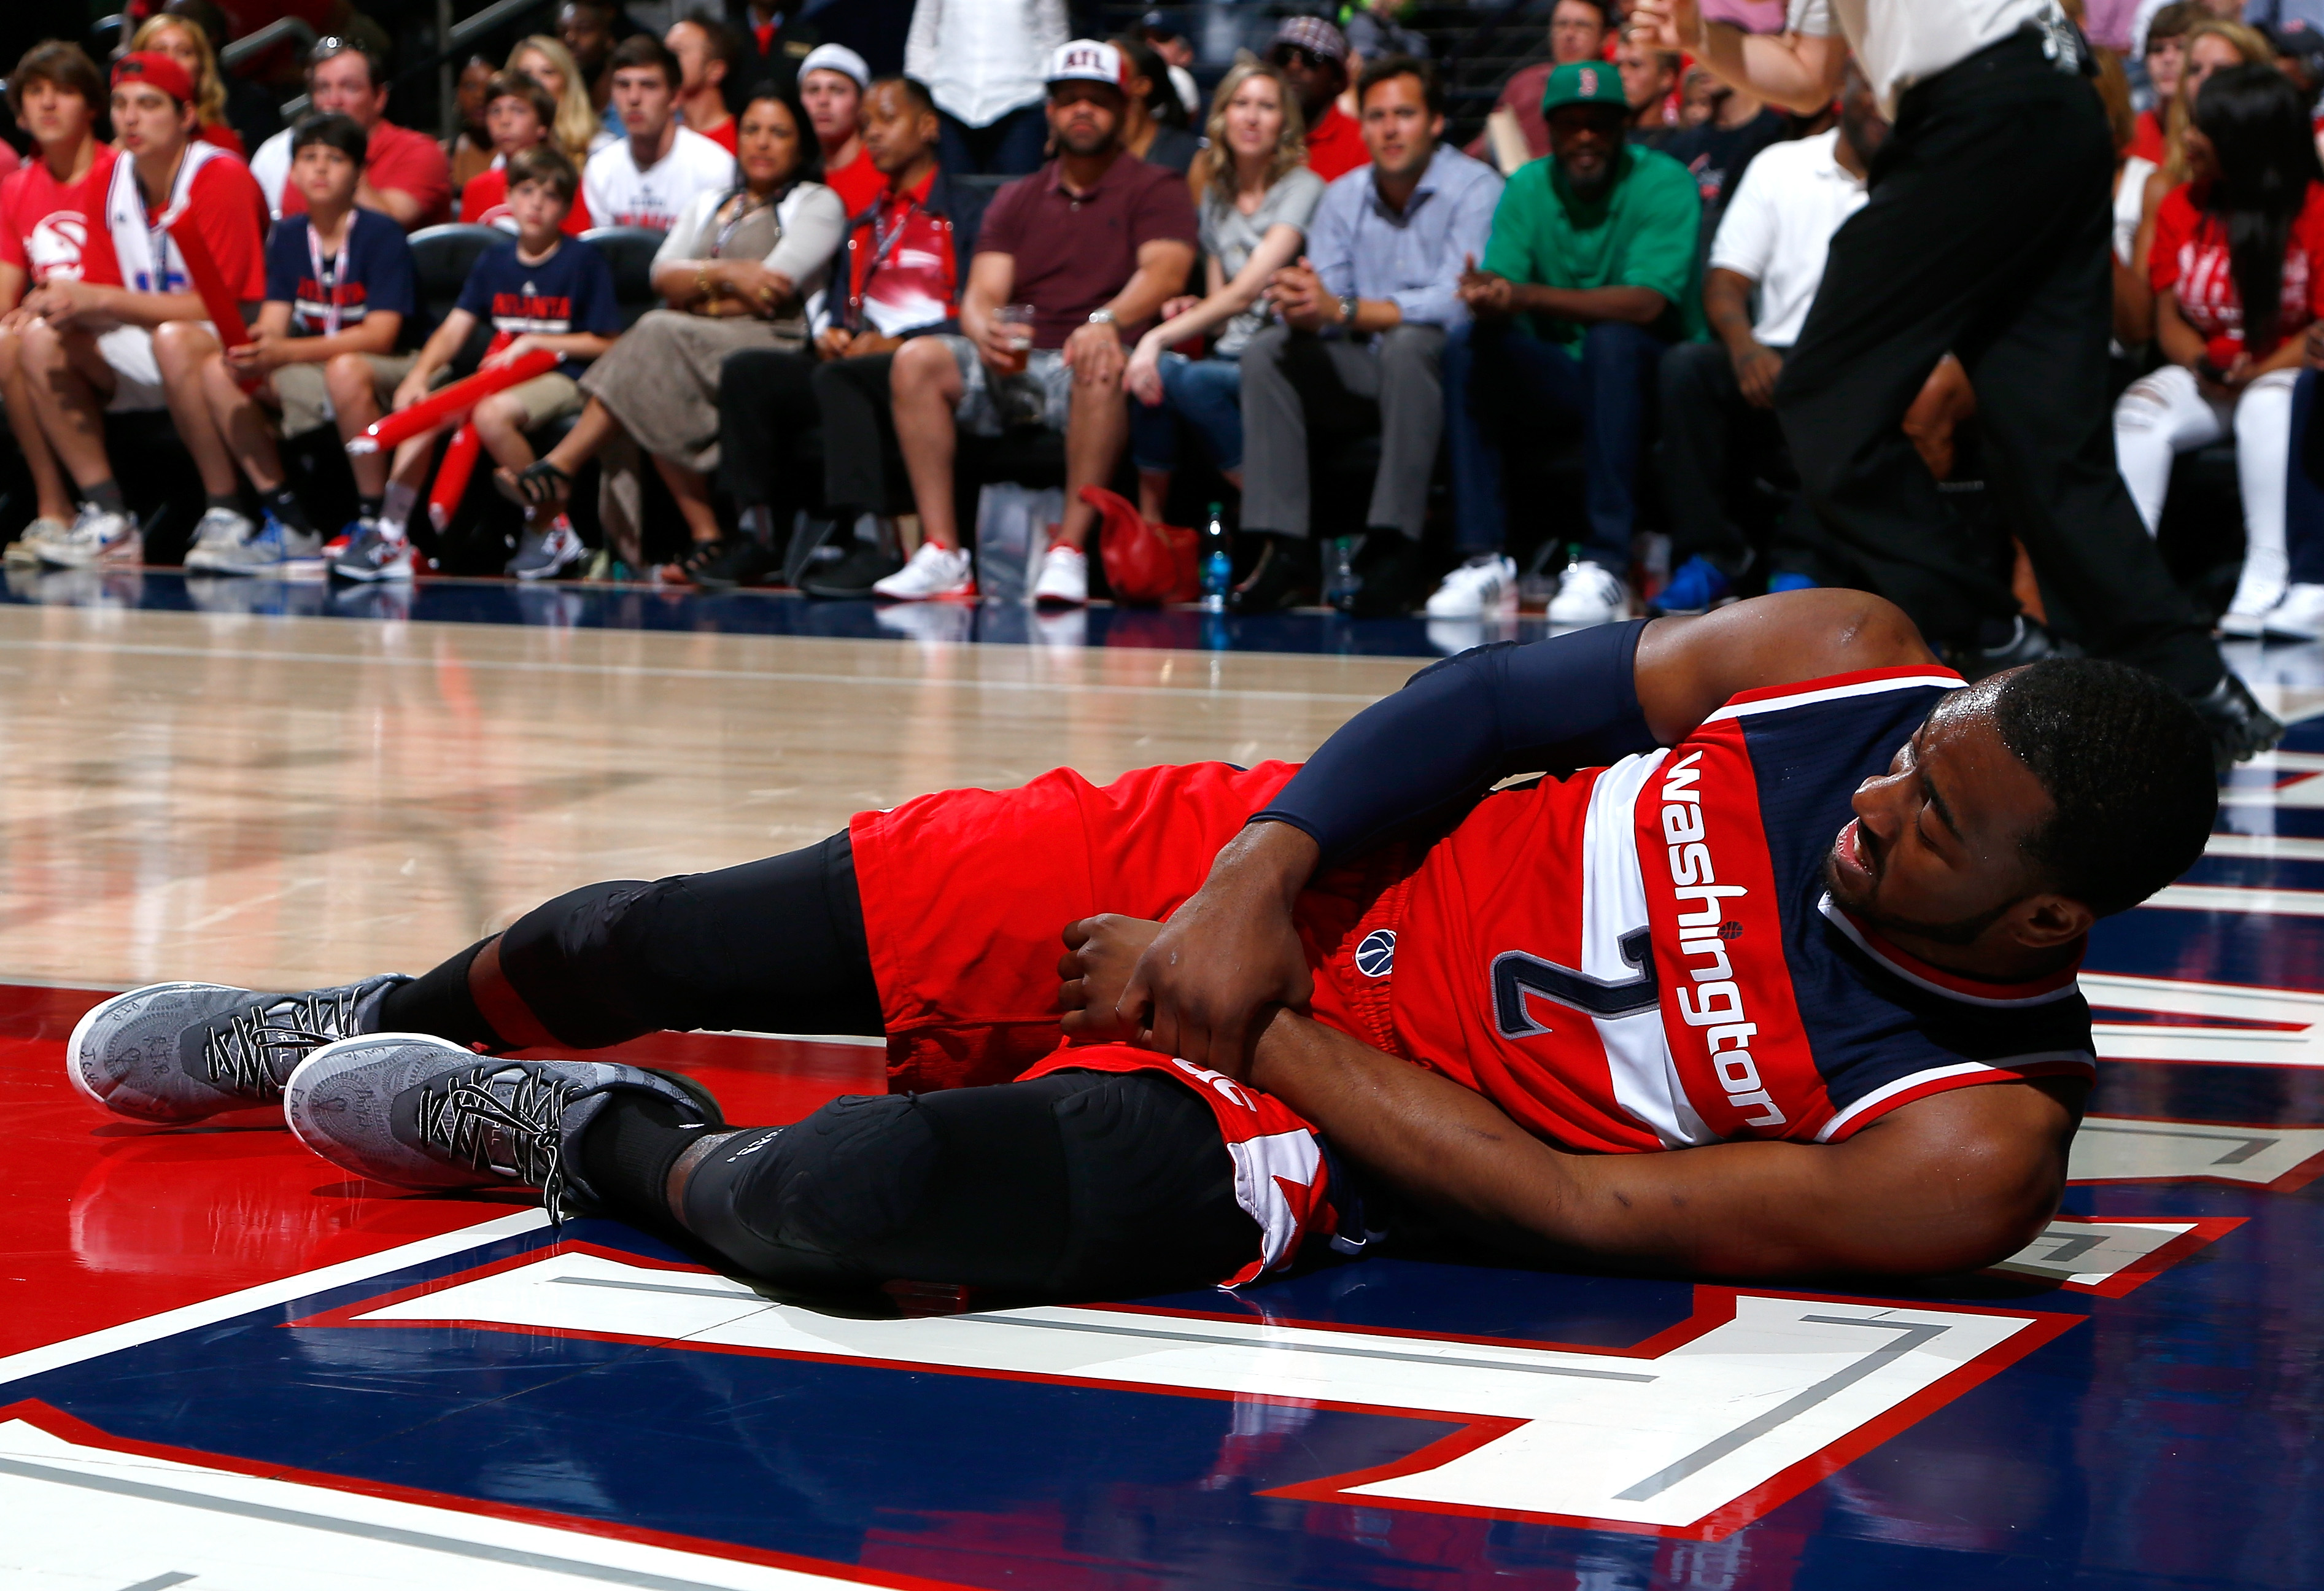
(1388, 570)
(851, 577)
(1286, 577)
(739, 560)
(2241, 729)
(2008, 643)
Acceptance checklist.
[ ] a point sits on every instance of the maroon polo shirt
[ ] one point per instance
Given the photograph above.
(1074, 251)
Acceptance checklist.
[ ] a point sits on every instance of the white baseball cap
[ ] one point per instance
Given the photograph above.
(1088, 60)
(837, 58)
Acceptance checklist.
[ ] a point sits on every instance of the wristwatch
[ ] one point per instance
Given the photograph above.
(1348, 311)
(1100, 318)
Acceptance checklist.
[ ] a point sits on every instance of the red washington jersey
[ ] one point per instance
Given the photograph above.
(1646, 957)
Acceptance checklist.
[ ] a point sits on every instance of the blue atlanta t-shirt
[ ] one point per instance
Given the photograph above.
(572, 291)
(377, 275)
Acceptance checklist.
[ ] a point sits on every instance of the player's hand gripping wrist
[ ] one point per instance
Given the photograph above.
(1229, 956)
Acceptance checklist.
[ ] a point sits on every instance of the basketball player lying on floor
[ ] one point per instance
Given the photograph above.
(1815, 924)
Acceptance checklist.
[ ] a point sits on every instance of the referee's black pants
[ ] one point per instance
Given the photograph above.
(1987, 234)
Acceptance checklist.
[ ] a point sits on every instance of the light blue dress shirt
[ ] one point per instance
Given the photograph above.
(1360, 247)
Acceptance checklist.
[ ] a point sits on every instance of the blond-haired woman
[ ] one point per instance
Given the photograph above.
(546, 60)
(183, 41)
(1256, 196)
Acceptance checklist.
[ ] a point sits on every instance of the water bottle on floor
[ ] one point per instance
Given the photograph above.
(1340, 580)
(1217, 560)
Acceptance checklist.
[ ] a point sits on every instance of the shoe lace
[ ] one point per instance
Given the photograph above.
(254, 1049)
(465, 1115)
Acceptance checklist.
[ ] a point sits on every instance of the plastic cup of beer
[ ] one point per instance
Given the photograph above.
(1016, 324)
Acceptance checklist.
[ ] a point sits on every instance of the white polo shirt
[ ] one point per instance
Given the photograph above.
(1778, 227)
(1901, 43)
(620, 194)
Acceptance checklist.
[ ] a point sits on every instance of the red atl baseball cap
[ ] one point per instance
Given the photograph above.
(150, 66)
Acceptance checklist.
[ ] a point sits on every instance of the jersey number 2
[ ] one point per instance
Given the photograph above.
(1516, 975)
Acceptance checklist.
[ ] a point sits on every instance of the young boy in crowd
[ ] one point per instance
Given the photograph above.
(339, 289)
(544, 290)
(649, 177)
(55, 93)
(142, 345)
(519, 113)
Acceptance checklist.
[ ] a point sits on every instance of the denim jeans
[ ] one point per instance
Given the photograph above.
(1209, 393)
(1495, 371)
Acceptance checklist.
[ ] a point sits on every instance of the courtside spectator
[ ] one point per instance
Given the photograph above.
(547, 61)
(1096, 241)
(1590, 276)
(2166, 58)
(983, 60)
(182, 41)
(92, 345)
(831, 84)
(250, 108)
(1649, 82)
(649, 177)
(2237, 266)
(1168, 39)
(1313, 56)
(56, 95)
(339, 292)
(1258, 198)
(517, 113)
(587, 27)
(1374, 28)
(1364, 319)
(906, 255)
(1719, 398)
(408, 178)
(707, 50)
(540, 291)
(470, 149)
(1578, 32)
(1720, 148)
(741, 269)
(775, 40)
(1146, 133)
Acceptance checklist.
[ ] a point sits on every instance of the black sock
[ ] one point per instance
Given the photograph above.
(105, 497)
(368, 507)
(438, 1002)
(626, 1153)
(288, 511)
(231, 501)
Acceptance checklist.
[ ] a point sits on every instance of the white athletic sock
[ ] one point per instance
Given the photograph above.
(395, 509)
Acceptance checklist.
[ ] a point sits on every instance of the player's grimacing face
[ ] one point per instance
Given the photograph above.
(1936, 846)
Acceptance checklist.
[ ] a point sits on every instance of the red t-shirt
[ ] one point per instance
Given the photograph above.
(49, 228)
(723, 134)
(1074, 252)
(484, 203)
(2189, 260)
(1335, 145)
(2147, 137)
(8, 161)
(409, 162)
(224, 137)
(858, 183)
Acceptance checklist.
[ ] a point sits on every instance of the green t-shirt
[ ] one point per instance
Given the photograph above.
(1640, 233)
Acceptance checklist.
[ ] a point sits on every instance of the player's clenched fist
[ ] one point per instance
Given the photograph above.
(1101, 953)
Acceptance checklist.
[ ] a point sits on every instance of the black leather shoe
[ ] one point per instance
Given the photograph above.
(2241, 729)
(851, 577)
(739, 560)
(2008, 643)
(1286, 577)
(1388, 577)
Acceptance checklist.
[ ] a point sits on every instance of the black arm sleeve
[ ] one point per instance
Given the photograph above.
(1458, 726)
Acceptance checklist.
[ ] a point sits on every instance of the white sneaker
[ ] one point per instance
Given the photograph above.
(221, 534)
(26, 548)
(2300, 616)
(1589, 595)
(933, 572)
(1065, 576)
(1486, 584)
(96, 537)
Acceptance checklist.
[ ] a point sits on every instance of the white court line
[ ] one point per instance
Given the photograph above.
(2265, 847)
(2236, 897)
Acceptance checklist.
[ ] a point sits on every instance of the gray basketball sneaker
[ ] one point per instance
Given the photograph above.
(421, 1112)
(181, 1051)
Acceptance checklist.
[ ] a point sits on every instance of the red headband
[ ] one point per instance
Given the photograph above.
(161, 71)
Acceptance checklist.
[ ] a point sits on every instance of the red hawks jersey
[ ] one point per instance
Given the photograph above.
(50, 229)
(1645, 956)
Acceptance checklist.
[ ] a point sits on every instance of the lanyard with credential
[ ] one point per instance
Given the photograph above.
(329, 278)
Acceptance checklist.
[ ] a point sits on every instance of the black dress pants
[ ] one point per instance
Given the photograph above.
(767, 396)
(1987, 234)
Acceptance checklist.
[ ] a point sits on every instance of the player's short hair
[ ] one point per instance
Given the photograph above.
(1432, 87)
(342, 133)
(524, 85)
(67, 65)
(916, 93)
(2127, 764)
(643, 50)
(547, 165)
